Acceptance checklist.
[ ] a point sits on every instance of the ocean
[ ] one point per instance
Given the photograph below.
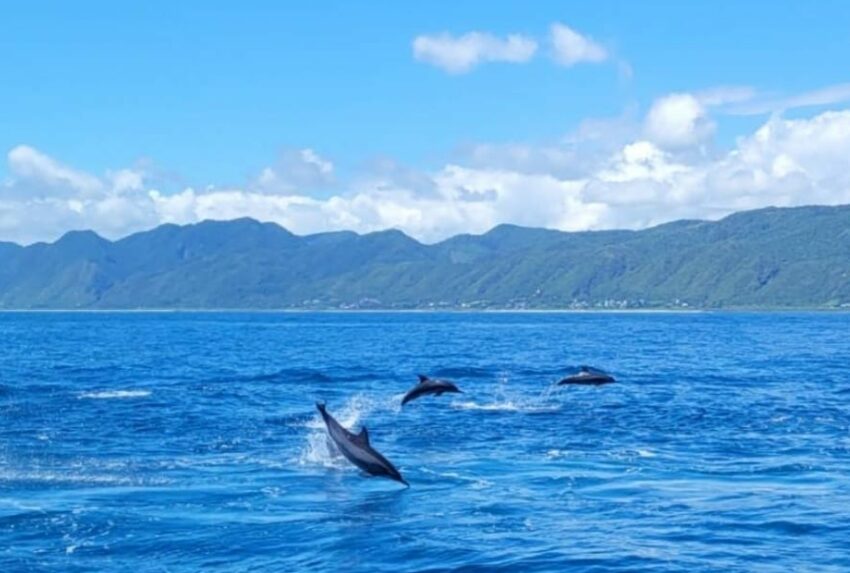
(190, 441)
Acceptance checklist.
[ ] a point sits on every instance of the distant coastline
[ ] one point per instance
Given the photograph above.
(767, 260)
(730, 310)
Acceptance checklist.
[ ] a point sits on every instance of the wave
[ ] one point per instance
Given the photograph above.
(475, 482)
(71, 478)
(298, 375)
(464, 372)
(282, 375)
(556, 371)
(114, 394)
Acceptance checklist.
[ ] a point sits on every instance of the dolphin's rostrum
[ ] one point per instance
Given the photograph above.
(588, 375)
(429, 386)
(357, 449)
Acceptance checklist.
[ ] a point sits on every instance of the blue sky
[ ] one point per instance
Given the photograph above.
(200, 95)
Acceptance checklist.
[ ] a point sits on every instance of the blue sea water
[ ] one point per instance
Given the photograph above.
(190, 441)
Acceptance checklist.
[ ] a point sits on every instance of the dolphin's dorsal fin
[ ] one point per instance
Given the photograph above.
(422, 378)
(584, 368)
(362, 437)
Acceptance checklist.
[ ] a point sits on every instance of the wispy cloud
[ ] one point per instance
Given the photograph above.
(296, 170)
(760, 104)
(723, 95)
(571, 48)
(460, 54)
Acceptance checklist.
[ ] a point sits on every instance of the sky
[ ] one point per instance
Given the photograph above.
(434, 118)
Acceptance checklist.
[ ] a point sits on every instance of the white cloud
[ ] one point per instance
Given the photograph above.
(638, 183)
(784, 163)
(126, 180)
(801, 160)
(571, 47)
(28, 164)
(459, 54)
(678, 120)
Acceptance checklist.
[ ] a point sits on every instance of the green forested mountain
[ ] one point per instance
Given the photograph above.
(796, 257)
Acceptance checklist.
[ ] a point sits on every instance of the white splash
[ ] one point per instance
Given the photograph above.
(492, 407)
(114, 394)
(319, 449)
(507, 401)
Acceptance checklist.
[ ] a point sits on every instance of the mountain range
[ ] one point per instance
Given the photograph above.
(774, 257)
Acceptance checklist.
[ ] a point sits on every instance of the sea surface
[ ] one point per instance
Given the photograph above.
(190, 441)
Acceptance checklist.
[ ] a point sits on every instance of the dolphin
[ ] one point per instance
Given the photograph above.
(428, 386)
(357, 449)
(588, 375)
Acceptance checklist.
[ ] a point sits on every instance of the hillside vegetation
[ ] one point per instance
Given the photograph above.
(794, 257)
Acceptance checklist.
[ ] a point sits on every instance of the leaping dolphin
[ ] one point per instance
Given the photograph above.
(428, 386)
(588, 375)
(357, 449)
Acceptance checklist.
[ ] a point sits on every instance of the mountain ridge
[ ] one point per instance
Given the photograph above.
(771, 257)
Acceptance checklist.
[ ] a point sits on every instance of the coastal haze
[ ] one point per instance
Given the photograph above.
(770, 258)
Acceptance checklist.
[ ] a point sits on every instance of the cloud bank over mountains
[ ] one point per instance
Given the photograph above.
(662, 168)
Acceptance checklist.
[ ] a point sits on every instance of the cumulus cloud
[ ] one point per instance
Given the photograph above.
(571, 48)
(678, 120)
(632, 184)
(783, 163)
(460, 54)
(681, 120)
(45, 198)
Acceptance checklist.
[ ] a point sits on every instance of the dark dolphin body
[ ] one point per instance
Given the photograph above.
(588, 375)
(357, 449)
(428, 386)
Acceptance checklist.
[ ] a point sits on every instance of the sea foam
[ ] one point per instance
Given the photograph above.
(114, 394)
